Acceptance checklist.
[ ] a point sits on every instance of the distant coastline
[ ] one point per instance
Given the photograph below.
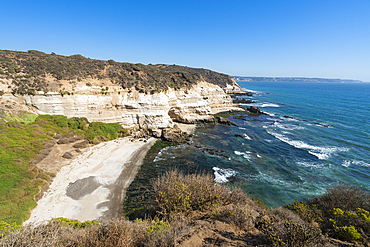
(294, 79)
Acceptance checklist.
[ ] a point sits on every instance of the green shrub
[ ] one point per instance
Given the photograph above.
(307, 213)
(349, 233)
(6, 228)
(342, 213)
(156, 225)
(109, 130)
(77, 224)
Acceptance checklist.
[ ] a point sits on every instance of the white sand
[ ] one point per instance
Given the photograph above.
(105, 162)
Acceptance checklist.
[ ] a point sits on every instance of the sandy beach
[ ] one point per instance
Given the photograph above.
(94, 185)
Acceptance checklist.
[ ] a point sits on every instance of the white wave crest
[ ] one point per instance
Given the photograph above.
(312, 165)
(160, 154)
(261, 105)
(320, 152)
(244, 154)
(251, 91)
(246, 137)
(222, 175)
(347, 163)
(288, 126)
(269, 105)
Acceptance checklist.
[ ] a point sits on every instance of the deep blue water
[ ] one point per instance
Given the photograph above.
(281, 159)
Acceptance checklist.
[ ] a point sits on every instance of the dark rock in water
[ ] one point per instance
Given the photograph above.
(240, 117)
(254, 109)
(237, 135)
(211, 151)
(175, 135)
(244, 101)
(232, 179)
(240, 94)
(67, 155)
(323, 125)
(295, 118)
(223, 120)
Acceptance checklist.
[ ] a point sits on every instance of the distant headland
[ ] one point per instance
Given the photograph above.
(294, 79)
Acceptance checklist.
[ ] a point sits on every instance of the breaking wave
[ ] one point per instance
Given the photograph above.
(222, 175)
(320, 152)
(347, 163)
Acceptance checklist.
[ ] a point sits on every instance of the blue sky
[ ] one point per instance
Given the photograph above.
(326, 38)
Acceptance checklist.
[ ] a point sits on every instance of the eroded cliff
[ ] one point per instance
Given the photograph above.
(148, 97)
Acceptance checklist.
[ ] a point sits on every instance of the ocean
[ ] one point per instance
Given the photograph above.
(314, 136)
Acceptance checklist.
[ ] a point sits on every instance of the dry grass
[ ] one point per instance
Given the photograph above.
(186, 201)
(177, 193)
(114, 233)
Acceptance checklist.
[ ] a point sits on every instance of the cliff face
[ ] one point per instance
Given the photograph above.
(160, 95)
(133, 109)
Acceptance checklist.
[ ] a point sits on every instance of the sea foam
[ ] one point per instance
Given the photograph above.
(222, 175)
(246, 137)
(244, 154)
(320, 152)
(347, 163)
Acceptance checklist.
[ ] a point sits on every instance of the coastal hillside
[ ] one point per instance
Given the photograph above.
(134, 95)
(34, 71)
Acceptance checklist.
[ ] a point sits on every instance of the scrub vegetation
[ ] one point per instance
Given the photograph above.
(185, 204)
(29, 71)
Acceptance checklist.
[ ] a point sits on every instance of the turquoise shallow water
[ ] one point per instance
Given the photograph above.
(281, 159)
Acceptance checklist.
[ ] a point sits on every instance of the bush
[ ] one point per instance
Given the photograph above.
(176, 193)
(77, 224)
(345, 197)
(342, 213)
(308, 214)
(6, 228)
(109, 130)
(284, 229)
(238, 216)
(112, 233)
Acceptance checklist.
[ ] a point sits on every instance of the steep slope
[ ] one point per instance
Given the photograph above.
(134, 95)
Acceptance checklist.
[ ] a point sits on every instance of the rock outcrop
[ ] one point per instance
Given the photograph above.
(254, 109)
(148, 97)
(223, 121)
(175, 135)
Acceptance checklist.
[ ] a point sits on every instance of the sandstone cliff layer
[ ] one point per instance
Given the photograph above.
(137, 96)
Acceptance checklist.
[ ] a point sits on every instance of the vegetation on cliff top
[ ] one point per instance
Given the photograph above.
(20, 144)
(28, 71)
